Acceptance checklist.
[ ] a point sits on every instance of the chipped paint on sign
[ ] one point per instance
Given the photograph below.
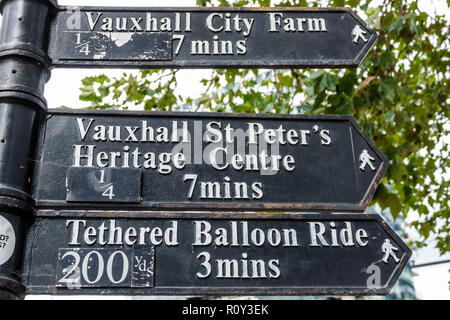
(121, 38)
(118, 45)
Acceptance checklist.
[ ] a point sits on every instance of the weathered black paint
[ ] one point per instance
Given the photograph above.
(333, 48)
(24, 70)
(142, 46)
(304, 269)
(326, 178)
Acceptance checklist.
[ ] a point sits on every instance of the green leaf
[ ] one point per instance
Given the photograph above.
(397, 25)
(394, 204)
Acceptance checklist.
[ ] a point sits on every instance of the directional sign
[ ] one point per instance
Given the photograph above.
(209, 37)
(213, 254)
(205, 161)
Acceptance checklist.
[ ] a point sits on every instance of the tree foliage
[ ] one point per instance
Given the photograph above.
(399, 95)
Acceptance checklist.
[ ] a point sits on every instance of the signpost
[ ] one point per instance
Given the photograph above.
(215, 254)
(209, 37)
(201, 161)
(117, 202)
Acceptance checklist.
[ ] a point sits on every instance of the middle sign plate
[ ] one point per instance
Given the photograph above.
(204, 161)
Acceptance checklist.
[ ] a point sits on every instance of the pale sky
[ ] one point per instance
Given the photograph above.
(63, 89)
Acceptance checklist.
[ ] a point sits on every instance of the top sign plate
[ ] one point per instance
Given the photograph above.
(209, 37)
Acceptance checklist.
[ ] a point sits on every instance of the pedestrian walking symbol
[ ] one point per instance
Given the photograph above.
(388, 250)
(366, 160)
(358, 33)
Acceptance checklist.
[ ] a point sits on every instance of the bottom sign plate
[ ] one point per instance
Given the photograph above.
(213, 254)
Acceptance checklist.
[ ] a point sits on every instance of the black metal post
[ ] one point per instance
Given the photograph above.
(24, 71)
